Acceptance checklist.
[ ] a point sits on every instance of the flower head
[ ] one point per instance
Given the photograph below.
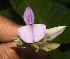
(35, 32)
(31, 32)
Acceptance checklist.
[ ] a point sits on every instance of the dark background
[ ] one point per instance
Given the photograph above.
(53, 13)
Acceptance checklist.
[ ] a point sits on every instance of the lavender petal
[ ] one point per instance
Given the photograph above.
(39, 31)
(25, 33)
(28, 16)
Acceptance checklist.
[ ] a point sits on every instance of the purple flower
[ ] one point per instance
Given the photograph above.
(31, 32)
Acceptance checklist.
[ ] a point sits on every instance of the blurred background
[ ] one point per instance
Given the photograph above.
(53, 13)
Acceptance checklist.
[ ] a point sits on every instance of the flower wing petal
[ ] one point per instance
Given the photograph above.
(39, 31)
(25, 33)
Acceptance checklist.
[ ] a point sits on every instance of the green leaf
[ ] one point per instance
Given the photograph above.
(5, 13)
(56, 54)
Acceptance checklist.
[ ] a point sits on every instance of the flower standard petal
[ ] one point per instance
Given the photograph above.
(28, 16)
